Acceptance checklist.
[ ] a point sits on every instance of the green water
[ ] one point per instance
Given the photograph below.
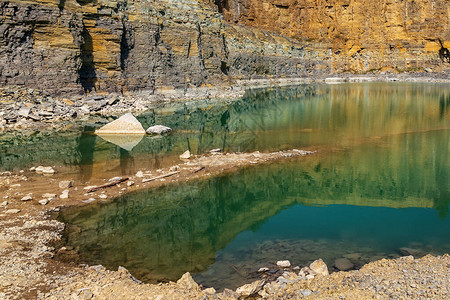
(380, 181)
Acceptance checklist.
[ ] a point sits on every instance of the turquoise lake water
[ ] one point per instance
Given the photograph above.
(379, 182)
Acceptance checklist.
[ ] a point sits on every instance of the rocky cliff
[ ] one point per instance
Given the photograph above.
(77, 46)
(357, 36)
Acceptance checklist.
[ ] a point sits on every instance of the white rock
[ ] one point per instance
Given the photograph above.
(48, 196)
(158, 129)
(48, 171)
(115, 178)
(27, 198)
(65, 184)
(283, 263)
(88, 200)
(12, 211)
(186, 281)
(186, 155)
(319, 267)
(130, 183)
(250, 289)
(174, 168)
(263, 269)
(126, 124)
(209, 291)
(310, 276)
(39, 169)
(103, 196)
(44, 201)
(4, 203)
(32, 169)
(64, 194)
(140, 174)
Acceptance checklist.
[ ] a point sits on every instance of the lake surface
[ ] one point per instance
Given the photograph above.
(380, 181)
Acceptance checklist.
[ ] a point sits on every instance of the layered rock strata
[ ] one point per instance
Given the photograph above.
(83, 46)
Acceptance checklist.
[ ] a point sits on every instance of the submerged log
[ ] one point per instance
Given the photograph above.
(159, 177)
(106, 185)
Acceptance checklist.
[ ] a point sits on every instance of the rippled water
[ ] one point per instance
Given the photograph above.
(380, 181)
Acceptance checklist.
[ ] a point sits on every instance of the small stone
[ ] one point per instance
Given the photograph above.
(215, 150)
(209, 291)
(262, 270)
(64, 194)
(48, 196)
(283, 263)
(250, 289)
(48, 171)
(319, 267)
(343, 264)
(12, 211)
(32, 169)
(140, 174)
(130, 183)
(310, 276)
(186, 155)
(39, 169)
(65, 184)
(306, 293)
(4, 203)
(103, 196)
(44, 201)
(174, 168)
(27, 198)
(158, 130)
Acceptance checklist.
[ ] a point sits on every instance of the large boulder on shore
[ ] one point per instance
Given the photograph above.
(126, 124)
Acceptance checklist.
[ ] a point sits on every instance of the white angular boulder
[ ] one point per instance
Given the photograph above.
(126, 124)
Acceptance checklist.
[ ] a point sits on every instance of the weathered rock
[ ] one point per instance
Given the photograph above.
(44, 201)
(263, 269)
(186, 155)
(27, 198)
(283, 263)
(39, 169)
(410, 251)
(158, 130)
(187, 282)
(319, 267)
(12, 211)
(250, 289)
(209, 291)
(4, 203)
(343, 264)
(126, 124)
(130, 183)
(65, 184)
(64, 194)
(48, 196)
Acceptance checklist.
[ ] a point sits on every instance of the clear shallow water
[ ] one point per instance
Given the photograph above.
(379, 182)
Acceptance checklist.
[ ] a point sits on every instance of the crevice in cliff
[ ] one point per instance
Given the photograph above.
(126, 44)
(86, 73)
(200, 51)
(444, 53)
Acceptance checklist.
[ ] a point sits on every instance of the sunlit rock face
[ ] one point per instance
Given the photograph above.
(358, 35)
(72, 47)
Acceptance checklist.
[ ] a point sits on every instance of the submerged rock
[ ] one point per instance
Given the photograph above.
(343, 264)
(158, 130)
(126, 124)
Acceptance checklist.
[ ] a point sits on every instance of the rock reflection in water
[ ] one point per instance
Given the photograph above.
(370, 200)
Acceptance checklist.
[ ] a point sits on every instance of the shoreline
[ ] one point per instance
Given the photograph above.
(28, 239)
(30, 109)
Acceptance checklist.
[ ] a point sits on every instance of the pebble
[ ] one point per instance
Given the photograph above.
(48, 196)
(4, 203)
(264, 269)
(130, 183)
(140, 174)
(65, 184)
(90, 200)
(27, 198)
(283, 263)
(64, 194)
(44, 201)
(12, 211)
(102, 196)
(186, 155)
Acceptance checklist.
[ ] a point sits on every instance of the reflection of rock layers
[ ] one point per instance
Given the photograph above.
(127, 142)
(162, 234)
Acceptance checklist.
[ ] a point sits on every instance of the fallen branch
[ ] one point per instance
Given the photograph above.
(198, 170)
(109, 184)
(159, 177)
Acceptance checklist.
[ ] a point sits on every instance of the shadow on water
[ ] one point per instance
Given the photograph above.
(300, 210)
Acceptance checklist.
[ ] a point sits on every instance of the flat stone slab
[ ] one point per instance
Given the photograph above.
(126, 124)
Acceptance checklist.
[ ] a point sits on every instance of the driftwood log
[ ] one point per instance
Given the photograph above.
(106, 185)
(159, 177)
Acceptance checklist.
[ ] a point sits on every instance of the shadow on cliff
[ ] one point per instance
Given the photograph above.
(87, 74)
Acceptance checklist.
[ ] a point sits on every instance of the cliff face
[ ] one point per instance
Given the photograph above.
(357, 36)
(76, 46)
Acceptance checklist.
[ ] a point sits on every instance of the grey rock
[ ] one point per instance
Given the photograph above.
(158, 130)
(65, 184)
(283, 263)
(343, 264)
